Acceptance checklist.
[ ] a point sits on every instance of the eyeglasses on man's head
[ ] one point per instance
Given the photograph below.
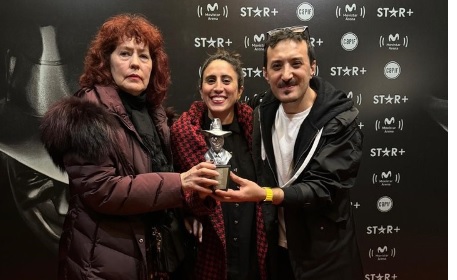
(302, 29)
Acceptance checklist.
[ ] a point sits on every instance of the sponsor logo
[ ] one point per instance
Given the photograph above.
(393, 42)
(386, 178)
(342, 71)
(212, 11)
(382, 230)
(305, 11)
(262, 12)
(357, 97)
(389, 99)
(249, 72)
(394, 12)
(392, 70)
(256, 42)
(382, 253)
(349, 41)
(202, 42)
(387, 152)
(381, 276)
(385, 204)
(389, 125)
(350, 12)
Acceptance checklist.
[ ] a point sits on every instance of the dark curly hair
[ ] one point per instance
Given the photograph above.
(231, 57)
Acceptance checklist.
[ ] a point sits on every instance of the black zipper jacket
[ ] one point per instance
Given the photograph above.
(317, 209)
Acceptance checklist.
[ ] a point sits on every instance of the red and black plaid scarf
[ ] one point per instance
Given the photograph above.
(189, 147)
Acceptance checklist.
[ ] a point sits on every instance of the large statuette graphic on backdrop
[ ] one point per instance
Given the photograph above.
(217, 153)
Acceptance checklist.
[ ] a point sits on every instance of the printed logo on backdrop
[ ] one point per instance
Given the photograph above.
(393, 42)
(394, 12)
(382, 253)
(358, 97)
(262, 12)
(361, 125)
(389, 125)
(350, 12)
(381, 276)
(256, 42)
(385, 204)
(389, 99)
(382, 230)
(212, 11)
(216, 42)
(344, 71)
(358, 101)
(349, 41)
(249, 72)
(387, 152)
(392, 70)
(315, 42)
(386, 178)
(356, 204)
(305, 11)
(317, 70)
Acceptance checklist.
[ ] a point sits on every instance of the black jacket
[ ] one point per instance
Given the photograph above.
(317, 209)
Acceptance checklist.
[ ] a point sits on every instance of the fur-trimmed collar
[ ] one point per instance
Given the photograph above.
(77, 126)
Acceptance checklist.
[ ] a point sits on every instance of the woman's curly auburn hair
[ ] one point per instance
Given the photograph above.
(113, 32)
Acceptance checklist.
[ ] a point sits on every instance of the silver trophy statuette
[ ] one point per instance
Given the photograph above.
(217, 153)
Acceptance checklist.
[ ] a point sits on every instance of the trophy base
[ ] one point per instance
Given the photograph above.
(223, 178)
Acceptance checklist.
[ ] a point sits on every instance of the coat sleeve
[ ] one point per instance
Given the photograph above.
(87, 142)
(102, 189)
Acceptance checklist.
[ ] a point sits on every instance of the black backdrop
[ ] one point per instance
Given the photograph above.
(390, 56)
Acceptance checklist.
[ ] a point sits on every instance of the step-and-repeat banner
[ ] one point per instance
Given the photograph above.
(390, 57)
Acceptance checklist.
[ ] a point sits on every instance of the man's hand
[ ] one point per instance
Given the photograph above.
(248, 191)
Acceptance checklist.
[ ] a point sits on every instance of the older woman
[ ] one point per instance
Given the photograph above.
(112, 138)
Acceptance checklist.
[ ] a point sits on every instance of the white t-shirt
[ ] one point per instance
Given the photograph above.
(284, 134)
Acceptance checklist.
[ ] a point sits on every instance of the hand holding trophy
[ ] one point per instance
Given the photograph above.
(217, 153)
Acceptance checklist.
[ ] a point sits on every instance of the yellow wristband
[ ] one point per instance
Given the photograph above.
(268, 195)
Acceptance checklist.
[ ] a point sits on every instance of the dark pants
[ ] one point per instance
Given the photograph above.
(284, 267)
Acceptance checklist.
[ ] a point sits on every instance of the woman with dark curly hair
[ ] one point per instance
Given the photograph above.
(233, 241)
(112, 138)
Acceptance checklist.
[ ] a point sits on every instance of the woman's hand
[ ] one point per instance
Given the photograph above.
(194, 227)
(200, 178)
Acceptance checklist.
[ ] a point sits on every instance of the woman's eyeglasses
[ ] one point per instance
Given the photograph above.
(302, 29)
